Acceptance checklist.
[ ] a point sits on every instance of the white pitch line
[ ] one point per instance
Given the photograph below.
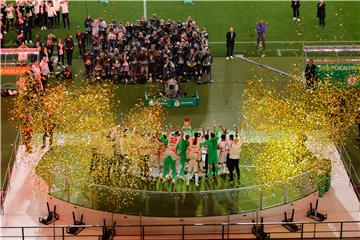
(279, 50)
(263, 65)
(246, 166)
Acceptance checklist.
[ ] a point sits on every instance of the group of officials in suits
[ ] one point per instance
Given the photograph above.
(295, 5)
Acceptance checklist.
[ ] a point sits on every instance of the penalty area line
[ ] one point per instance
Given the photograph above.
(279, 50)
(241, 57)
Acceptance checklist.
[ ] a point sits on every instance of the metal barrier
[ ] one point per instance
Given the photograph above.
(309, 230)
(350, 169)
(181, 204)
(6, 181)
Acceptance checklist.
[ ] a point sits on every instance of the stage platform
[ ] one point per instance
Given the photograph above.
(28, 194)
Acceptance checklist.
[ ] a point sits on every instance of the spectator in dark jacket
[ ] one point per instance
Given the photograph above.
(69, 48)
(230, 43)
(310, 75)
(321, 12)
(295, 5)
(88, 29)
(81, 43)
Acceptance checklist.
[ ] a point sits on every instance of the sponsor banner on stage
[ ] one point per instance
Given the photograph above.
(348, 74)
(173, 102)
(13, 71)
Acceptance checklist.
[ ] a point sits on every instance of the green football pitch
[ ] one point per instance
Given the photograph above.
(342, 21)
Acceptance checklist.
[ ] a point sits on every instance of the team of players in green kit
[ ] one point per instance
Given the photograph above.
(191, 151)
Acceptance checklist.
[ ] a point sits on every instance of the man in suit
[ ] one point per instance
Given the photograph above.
(295, 5)
(230, 43)
(321, 12)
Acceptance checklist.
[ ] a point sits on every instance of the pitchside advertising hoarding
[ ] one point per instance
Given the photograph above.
(347, 74)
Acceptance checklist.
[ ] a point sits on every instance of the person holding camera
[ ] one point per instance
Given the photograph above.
(310, 75)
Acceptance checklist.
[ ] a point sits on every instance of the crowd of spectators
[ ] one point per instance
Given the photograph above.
(22, 16)
(145, 51)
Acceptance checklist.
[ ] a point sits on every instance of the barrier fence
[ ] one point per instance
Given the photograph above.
(182, 204)
(5, 184)
(350, 169)
(308, 230)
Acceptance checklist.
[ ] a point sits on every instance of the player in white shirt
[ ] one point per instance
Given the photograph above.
(56, 4)
(65, 13)
(51, 13)
(234, 156)
(44, 67)
(10, 10)
(204, 151)
(194, 157)
(36, 6)
(223, 151)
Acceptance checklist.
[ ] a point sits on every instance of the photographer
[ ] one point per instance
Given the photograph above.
(207, 61)
(144, 64)
(310, 75)
(116, 65)
(147, 44)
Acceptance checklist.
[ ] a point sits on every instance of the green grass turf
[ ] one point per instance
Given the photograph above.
(342, 21)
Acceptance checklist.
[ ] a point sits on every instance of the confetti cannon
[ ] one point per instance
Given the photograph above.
(76, 228)
(51, 217)
(288, 223)
(108, 233)
(258, 231)
(314, 214)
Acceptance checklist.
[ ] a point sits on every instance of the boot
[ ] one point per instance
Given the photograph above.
(196, 179)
